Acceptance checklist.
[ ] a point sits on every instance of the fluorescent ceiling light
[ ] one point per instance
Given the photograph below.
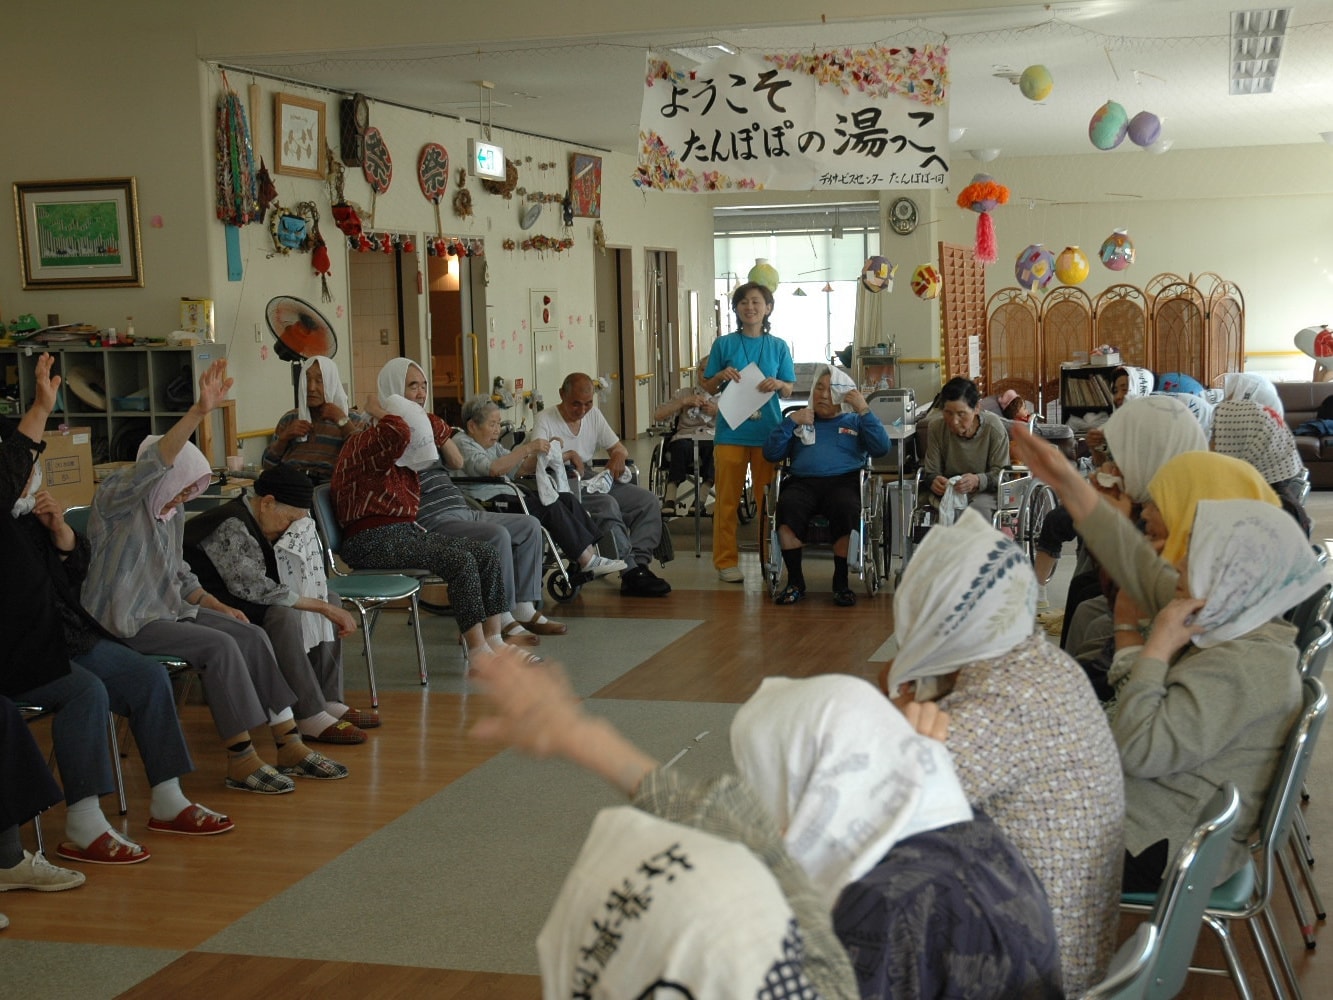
(1257, 37)
(705, 53)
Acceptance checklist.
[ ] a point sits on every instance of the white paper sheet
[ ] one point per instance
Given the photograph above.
(743, 398)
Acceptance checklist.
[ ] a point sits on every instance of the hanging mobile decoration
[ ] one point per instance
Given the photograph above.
(433, 176)
(237, 201)
(1117, 252)
(378, 166)
(1034, 267)
(983, 196)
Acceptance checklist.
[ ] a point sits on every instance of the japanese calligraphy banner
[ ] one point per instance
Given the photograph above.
(871, 119)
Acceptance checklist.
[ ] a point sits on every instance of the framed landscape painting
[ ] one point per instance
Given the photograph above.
(79, 234)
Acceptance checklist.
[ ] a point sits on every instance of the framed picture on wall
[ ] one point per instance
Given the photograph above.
(298, 136)
(79, 234)
(585, 185)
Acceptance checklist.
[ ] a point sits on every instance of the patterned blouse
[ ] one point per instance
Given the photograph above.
(1034, 751)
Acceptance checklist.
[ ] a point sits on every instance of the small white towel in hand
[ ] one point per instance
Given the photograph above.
(301, 569)
(600, 482)
(551, 477)
(421, 450)
(952, 503)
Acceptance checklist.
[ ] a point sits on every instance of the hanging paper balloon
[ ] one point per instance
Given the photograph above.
(1036, 83)
(1071, 266)
(1108, 126)
(926, 282)
(877, 274)
(1035, 267)
(1144, 128)
(1117, 251)
(983, 196)
(764, 273)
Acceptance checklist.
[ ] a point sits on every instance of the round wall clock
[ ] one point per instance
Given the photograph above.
(902, 216)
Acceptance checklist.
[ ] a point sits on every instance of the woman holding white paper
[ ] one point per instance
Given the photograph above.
(741, 444)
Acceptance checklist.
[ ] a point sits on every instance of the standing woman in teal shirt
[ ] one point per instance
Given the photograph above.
(736, 448)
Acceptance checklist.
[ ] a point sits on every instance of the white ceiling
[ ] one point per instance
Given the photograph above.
(1170, 57)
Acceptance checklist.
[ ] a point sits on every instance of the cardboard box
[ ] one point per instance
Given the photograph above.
(67, 466)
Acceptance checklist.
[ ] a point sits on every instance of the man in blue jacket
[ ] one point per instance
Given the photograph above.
(828, 443)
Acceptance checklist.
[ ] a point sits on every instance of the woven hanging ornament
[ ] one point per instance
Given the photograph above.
(238, 203)
(983, 196)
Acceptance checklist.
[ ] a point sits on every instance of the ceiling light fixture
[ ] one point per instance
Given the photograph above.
(983, 155)
(957, 132)
(1256, 48)
(1327, 137)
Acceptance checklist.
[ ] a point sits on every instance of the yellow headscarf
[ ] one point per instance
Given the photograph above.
(1201, 475)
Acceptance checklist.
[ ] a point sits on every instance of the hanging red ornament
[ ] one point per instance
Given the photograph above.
(408, 245)
(983, 196)
(388, 243)
(319, 259)
(363, 243)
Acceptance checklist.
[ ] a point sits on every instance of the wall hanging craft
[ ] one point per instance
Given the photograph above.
(237, 187)
(378, 166)
(353, 120)
(506, 187)
(297, 230)
(599, 237)
(462, 197)
(346, 216)
(433, 176)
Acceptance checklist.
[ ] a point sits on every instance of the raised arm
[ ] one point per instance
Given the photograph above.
(213, 388)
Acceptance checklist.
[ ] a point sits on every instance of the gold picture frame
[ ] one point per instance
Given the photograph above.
(79, 233)
(298, 137)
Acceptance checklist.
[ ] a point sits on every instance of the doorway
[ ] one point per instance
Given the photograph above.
(615, 339)
(456, 297)
(670, 356)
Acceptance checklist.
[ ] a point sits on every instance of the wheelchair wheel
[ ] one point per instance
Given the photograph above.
(1039, 503)
(746, 509)
(559, 587)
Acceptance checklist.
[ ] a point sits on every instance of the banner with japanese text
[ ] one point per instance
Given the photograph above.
(851, 119)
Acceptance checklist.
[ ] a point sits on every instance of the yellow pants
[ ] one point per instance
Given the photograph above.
(729, 464)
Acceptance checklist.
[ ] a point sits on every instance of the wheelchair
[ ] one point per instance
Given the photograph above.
(659, 469)
(1022, 503)
(865, 547)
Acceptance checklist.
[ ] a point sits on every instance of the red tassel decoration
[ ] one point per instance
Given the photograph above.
(319, 259)
(986, 250)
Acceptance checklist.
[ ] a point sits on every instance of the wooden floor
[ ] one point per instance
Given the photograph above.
(190, 890)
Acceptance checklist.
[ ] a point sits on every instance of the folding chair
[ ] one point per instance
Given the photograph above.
(1247, 894)
(368, 592)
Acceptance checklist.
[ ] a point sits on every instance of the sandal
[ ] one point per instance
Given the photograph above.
(264, 779)
(844, 598)
(108, 849)
(193, 821)
(789, 596)
(315, 765)
(341, 732)
(517, 635)
(362, 718)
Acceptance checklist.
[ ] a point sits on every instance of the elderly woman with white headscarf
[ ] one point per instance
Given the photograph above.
(1254, 433)
(828, 443)
(377, 496)
(1028, 736)
(930, 898)
(311, 436)
(1209, 690)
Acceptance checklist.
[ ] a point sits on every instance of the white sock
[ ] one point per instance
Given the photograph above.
(316, 724)
(588, 555)
(168, 800)
(84, 821)
(336, 709)
(496, 642)
(286, 715)
(507, 618)
(524, 611)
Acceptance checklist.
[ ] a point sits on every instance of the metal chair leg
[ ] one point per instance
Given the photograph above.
(1270, 924)
(421, 646)
(115, 762)
(1228, 944)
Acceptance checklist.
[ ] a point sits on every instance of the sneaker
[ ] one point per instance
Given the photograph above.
(602, 566)
(731, 574)
(35, 872)
(643, 582)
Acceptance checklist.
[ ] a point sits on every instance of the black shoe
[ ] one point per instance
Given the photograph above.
(642, 582)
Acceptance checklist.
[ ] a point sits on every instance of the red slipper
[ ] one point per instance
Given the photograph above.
(105, 850)
(340, 732)
(193, 821)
